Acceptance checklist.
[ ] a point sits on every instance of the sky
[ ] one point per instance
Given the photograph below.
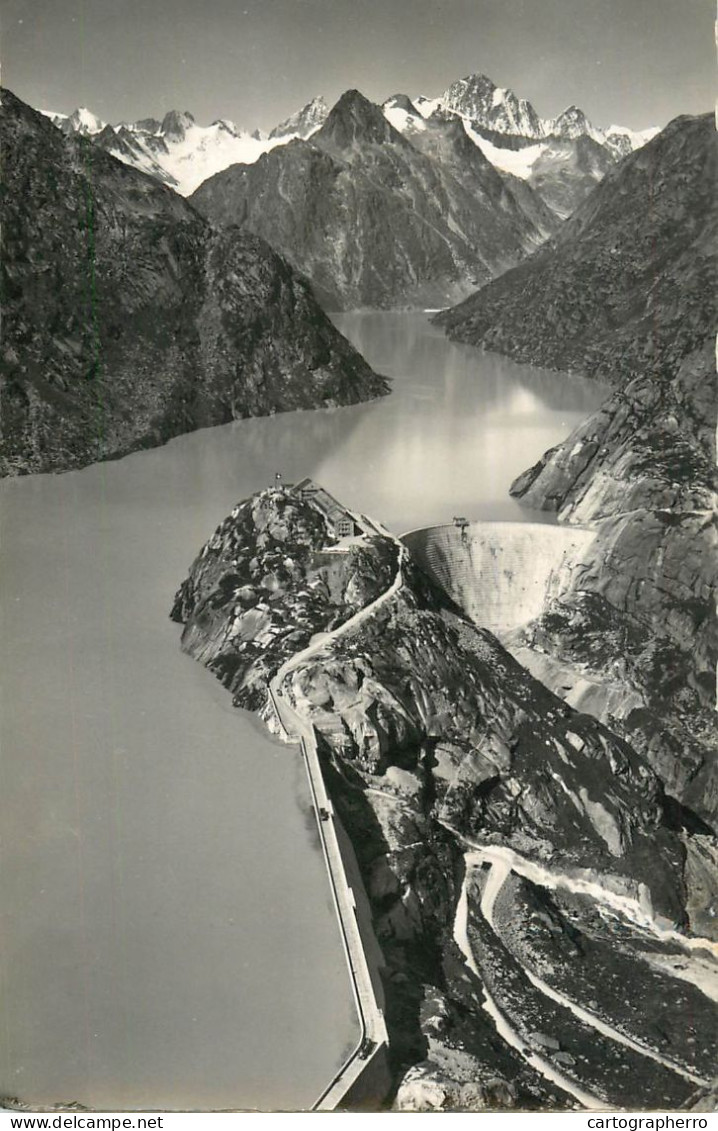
(633, 62)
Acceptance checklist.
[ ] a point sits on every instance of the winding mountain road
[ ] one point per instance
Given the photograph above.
(499, 872)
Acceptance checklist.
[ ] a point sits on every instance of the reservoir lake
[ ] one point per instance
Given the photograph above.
(168, 935)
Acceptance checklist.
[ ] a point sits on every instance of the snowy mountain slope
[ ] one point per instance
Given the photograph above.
(178, 151)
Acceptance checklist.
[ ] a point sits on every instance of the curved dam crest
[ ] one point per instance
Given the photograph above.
(499, 573)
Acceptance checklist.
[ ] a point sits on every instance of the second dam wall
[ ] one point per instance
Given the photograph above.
(499, 573)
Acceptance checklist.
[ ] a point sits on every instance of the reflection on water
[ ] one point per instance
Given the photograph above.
(460, 426)
(168, 935)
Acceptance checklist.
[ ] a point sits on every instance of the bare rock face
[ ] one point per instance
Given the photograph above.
(478, 98)
(127, 320)
(640, 606)
(651, 444)
(629, 282)
(475, 799)
(568, 170)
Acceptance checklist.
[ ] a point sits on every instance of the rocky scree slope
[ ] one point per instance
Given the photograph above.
(373, 220)
(628, 282)
(434, 741)
(127, 319)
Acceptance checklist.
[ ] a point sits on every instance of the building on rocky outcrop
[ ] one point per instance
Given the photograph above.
(339, 520)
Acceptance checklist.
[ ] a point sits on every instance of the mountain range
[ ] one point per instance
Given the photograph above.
(127, 319)
(412, 203)
(175, 148)
(533, 819)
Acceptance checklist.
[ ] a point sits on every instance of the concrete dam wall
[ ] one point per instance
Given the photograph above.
(499, 573)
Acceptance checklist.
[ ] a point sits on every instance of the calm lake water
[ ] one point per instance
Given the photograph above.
(168, 935)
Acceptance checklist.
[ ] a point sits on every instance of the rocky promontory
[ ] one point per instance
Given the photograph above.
(128, 320)
(506, 841)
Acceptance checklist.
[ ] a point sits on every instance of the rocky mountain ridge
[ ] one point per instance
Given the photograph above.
(127, 319)
(180, 152)
(477, 98)
(377, 218)
(628, 282)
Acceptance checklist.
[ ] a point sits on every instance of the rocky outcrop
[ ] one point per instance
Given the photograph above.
(275, 561)
(437, 745)
(650, 444)
(629, 283)
(128, 320)
(374, 219)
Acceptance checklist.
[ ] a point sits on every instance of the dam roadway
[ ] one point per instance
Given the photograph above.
(365, 1072)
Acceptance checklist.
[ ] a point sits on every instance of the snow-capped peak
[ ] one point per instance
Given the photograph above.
(80, 121)
(477, 98)
(305, 122)
(484, 105)
(402, 114)
(176, 123)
